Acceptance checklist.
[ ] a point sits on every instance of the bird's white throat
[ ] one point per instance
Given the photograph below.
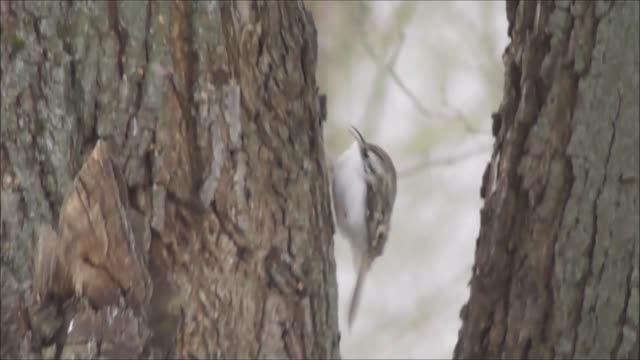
(349, 190)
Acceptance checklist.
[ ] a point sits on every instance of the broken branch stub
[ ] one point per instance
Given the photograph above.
(95, 253)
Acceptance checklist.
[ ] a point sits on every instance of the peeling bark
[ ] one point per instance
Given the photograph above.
(215, 122)
(556, 265)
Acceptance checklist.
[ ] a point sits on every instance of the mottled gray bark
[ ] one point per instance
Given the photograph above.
(212, 189)
(556, 266)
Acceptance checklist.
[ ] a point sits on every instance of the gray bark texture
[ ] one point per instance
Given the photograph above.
(556, 264)
(164, 188)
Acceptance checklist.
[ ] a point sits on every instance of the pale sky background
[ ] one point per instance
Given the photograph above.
(450, 59)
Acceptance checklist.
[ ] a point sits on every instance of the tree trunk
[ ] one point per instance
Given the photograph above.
(556, 265)
(164, 190)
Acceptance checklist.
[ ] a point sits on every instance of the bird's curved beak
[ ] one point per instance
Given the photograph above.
(357, 135)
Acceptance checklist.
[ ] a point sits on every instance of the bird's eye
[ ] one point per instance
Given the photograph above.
(374, 164)
(364, 153)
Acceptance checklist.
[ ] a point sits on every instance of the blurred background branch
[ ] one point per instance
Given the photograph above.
(390, 70)
(447, 160)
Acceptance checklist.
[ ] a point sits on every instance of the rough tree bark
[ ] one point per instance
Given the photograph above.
(556, 265)
(164, 191)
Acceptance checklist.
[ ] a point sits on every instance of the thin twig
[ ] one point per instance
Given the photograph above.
(388, 66)
(379, 88)
(371, 114)
(443, 161)
(396, 52)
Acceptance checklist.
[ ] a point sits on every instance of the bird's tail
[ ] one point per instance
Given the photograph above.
(357, 290)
